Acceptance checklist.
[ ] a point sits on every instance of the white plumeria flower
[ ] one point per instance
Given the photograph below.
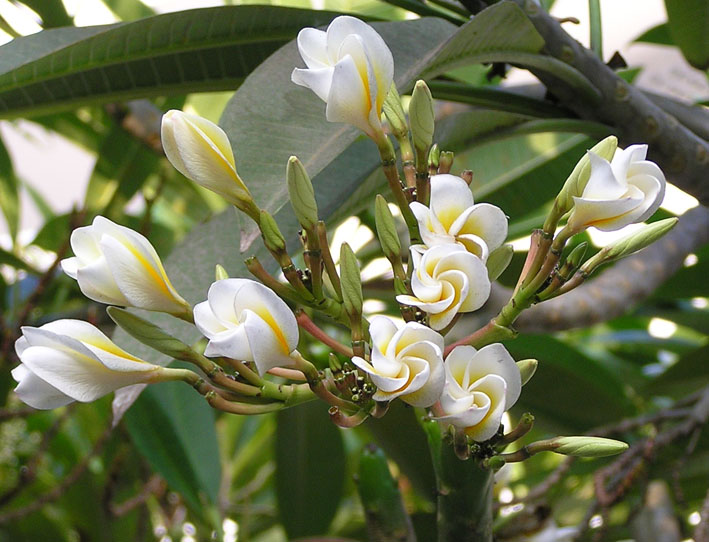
(245, 320)
(447, 280)
(200, 150)
(481, 385)
(118, 266)
(453, 217)
(626, 190)
(71, 360)
(350, 68)
(407, 362)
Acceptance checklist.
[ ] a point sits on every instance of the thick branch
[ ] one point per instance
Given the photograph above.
(679, 151)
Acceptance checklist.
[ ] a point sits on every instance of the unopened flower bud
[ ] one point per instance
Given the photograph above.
(587, 446)
(445, 162)
(351, 282)
(302, 195)
(573, 261)
(498, 260)
(434, 156)
(220, 273)
(422, 117)
(394, 111)
(272, 236)
(527, 368)
(386, 229)
(630, 243)
(495, 462)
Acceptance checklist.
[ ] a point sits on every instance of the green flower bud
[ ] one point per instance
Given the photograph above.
(422, 117)
(587, 446)
(445, 161)
(527, 368)
(302, 195)
(576, 182)
(498, 260)
(220, 273)
(272, 236)
(630, 243)
(495, 462)
(386, 229)
(351, 282)
(434, 156)
(394, 111)
(573, 261)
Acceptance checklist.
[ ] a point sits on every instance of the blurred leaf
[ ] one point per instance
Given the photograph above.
(689, 28)
(688, 281)
(659, 34)
(173, 427)
(403, 440)
(40, 203)
(52, 12)
(310, 468)
(8, 258)
(688, 374)
(129, 10)
(204, 49)
(9, 192)
(123, 165)
(569, 390)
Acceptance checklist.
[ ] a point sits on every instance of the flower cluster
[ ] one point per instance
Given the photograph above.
(251, 331)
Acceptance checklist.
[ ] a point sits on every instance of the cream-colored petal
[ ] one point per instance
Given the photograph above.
(431, 390)
(486, 221)
(207, 323)
(312, 46)
(80, 377)
(603, 184)
(381, 329)
(349, 100)
(494, 359)
(601, 214)
(35, 392)
(318, 80)
(96, 282)
(268, 345)
(231, 343)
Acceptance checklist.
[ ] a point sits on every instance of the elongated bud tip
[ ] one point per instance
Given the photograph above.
(351, 281)
(421, 116)
(302, 195)
(272, 236)
(394, 111)
(587, 446)
(445, 161)
(576, 256)
(220, 273)
(386, 228)
(527, 368)
(334, 363)
(467, 176)
(434, 156)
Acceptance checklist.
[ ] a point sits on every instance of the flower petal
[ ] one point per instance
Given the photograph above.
(268, 348)
(312, 46)
(35, 392)
(349, 100)
(450, 197)
(318, 80)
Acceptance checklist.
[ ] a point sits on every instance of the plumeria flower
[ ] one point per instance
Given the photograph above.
(350, 68)
(626, 190)
(481, 385)
(200, 150)
(447, 280)
(453, 217)
(407, 362)
(118, 266)
(245, 320)
(71, 360)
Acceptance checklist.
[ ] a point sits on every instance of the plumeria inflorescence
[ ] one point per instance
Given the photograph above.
(457, 249)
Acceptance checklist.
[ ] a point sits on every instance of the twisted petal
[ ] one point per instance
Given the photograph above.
(37, 393)
(312, 45)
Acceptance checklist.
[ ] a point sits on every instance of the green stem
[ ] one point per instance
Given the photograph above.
(464, 493)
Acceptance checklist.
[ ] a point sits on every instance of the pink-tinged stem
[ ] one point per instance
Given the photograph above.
(308, 325)
(290, 374)
(338, 418)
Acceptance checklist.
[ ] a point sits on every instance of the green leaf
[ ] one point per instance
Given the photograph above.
(9, 192)
(52, 12)
(8, 258)
(570, 390)
(689, 28)
(659, 35)
(187, 51)
(173, 428)
(688, 374)
(310, 469)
